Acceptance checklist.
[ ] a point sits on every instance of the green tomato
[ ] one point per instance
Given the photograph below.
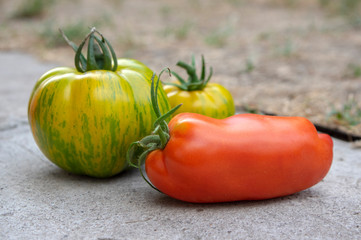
(84, 122)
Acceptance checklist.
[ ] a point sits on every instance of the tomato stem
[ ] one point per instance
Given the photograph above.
(139, 150)
(194, 82)
(100, 53)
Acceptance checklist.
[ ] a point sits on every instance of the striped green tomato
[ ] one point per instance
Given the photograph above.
(85, 122)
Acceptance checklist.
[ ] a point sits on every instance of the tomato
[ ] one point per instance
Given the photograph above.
(84, 120)
(213, 100)
(242, 157)
(197, 95)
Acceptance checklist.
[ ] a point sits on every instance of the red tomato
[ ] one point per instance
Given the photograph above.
(243, 157)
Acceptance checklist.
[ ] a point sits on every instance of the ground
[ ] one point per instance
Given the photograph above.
(294, 58)
(283, 56)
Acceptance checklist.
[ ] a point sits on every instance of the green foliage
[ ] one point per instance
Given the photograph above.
(287, 49)
(343, 7)
(235, 3)
(353, 70)
(349, 113)
(32, 8)
(288, 3)
(165, 11)
(218, 38)
(181, 32)
(249, 66)
(349, 9)
(75, 31)
(263, 36)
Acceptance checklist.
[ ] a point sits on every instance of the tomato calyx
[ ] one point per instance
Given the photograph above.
(194, 82)
(100, 53)
(139, 150)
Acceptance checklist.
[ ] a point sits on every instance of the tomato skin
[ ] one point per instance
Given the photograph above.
(85, 122)
(213, 100)
(243, 157)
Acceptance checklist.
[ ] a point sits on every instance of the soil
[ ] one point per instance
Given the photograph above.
(292, 58)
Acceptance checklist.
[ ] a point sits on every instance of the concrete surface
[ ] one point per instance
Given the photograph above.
(40, 201)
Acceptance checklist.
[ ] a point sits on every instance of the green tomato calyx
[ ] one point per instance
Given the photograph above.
(194, 82)
(100, 54)
(139, 150)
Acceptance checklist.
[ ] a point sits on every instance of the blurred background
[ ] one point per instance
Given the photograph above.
(287, 57)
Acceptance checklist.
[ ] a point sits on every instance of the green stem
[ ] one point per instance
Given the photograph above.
(100, 53)
(194, 82)
(91, 63)
(191, 70)
(139, 150)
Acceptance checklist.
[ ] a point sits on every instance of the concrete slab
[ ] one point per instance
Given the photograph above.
(40, 201)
